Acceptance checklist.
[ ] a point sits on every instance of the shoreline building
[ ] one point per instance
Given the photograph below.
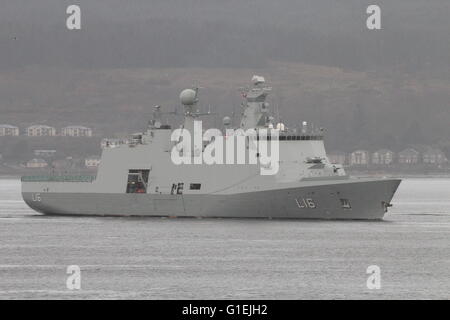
(76, 131)
(92, 162)
(408, 156)
(8, 130)
(383, 157)
(359, 157)
(40, 131)
(338, 157)
(434, 156)
(37, 163)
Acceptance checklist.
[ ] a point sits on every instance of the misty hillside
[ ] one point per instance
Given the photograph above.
(386, 88)
(359, 109)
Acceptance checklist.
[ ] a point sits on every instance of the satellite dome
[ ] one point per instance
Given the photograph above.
(188, 97)
(226, 121)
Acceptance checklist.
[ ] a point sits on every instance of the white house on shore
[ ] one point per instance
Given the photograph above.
(92, 162)
(37, 163)
(408, 156)
(383, 157)
(8, 130)
(359, 157)
(434, 156)
(40, 130)
(337, 157)
(76, 131)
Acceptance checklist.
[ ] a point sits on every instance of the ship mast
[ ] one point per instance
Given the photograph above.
(256, 109)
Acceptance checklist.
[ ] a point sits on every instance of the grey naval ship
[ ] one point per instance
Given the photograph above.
(138, 177)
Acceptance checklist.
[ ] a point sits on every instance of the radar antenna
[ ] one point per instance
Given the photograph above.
(189, 99)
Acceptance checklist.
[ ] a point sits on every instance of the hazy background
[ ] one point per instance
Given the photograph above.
(370, 89)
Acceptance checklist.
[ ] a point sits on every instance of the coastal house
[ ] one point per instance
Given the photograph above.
(338, 157)
(8, 130)
(92, 162)
(408, 156)
(434, 156)
(383, 157)
(359, 157)
(40, 130)
(76, 131)
(37, 163)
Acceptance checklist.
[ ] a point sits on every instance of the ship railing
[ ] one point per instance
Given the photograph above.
(290, 137)
(112, 143)
(56, 178)
(300, 137)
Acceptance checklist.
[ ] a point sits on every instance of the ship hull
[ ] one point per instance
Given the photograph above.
(365, 200)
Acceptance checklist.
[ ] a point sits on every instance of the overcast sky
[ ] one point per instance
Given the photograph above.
(138, 33)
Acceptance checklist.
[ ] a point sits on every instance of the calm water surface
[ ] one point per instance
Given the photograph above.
(155, 258)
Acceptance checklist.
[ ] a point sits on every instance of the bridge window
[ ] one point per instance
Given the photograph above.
(195, 186)
(345, 204)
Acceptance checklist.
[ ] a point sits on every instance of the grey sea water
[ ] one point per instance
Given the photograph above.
(155, 258)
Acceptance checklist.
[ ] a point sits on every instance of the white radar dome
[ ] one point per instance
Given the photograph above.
(188, 97)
